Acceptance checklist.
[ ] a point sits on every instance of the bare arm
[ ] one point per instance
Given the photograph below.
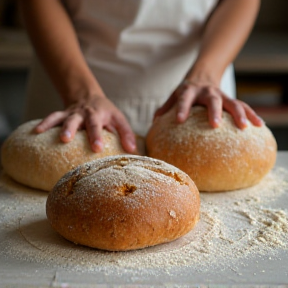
(56, 45)
(224, 35)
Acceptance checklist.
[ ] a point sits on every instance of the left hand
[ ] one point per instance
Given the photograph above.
(190, 93)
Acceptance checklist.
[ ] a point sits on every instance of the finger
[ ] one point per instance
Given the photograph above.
(252, 116)
(94, 129)
(110, 128)
(166, 106)
(70, 127)
(212, 98)
(215, 111)
(51, 121)
(237, 111)
(126, 134)
(185, 102)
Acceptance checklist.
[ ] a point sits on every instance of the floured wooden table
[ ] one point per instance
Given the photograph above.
(241, 240)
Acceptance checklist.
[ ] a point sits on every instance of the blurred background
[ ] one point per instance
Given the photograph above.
(261, 68)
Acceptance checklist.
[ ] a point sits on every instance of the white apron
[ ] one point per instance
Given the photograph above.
(138, 50)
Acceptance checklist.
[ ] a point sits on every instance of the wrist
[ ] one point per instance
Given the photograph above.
(80, 86)
(204, 73)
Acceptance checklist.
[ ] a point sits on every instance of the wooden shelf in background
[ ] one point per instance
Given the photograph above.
(15, 49)
(274, 116)
(264, 52)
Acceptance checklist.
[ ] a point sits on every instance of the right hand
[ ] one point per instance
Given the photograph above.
(93, 115)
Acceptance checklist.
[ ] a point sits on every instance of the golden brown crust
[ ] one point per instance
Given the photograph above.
(221, 159)
(123, 203)
(40, 160)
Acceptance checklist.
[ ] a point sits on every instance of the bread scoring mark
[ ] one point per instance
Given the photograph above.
(124, 161)
(178, 178)
(75, 175)
(126, 190)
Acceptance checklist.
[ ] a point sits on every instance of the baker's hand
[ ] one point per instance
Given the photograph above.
(190, 93)
(93, 115)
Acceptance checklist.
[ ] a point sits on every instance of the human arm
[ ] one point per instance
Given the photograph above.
(56, 44)
(224, 35)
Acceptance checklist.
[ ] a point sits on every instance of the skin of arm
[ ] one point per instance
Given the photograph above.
(56, 44)
(225, 33)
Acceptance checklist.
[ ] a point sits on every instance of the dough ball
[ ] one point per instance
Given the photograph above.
(123, 202)
(40, 160)
(219, 159)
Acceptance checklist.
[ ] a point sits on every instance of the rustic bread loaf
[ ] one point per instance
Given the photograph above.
(123, 202)
(40, 160)
(220, 159)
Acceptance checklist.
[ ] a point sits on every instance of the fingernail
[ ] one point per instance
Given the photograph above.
(180, 116)
(217, 121)
(261, 119)
(244, 121)
(38, 129)
(98, 144)
(131, 145)
(66, 134)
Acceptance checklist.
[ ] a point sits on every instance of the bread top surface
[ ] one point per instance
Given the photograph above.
(25, 137)
(124, 173)
(226, 141)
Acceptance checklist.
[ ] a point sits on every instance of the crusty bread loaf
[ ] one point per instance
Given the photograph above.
(123, 202)
(221, 159)
(40, 160)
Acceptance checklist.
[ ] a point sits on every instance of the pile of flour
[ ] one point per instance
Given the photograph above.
(234, 226)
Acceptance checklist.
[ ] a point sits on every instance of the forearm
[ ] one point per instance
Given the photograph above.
(56, 45)
(225, 33)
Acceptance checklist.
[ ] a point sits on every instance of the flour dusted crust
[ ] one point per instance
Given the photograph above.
(123, 202)
(40, 160)
(221, 159)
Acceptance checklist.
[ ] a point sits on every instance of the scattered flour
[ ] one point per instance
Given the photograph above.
(233, 226)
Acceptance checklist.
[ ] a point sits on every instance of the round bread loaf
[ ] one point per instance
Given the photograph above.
(219, 159)
(40, 160)
(123, 202)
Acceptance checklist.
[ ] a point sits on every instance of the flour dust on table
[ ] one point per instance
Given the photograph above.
(234, 226)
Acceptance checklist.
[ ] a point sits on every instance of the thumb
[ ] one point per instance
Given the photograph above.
(166, 106)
